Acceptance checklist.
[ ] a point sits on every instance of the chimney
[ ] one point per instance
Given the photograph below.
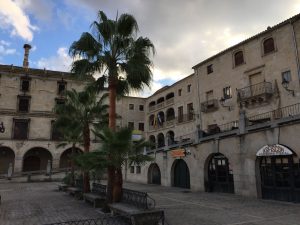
(26, 47)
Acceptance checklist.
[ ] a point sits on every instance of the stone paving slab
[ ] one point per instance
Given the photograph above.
(40, 203)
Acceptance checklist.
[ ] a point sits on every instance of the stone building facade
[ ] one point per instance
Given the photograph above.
(244, 133)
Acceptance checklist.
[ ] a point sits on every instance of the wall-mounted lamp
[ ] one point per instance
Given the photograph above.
(285, 83)
(222, 101)
(2, 128)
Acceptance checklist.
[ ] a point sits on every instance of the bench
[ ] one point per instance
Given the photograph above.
(153, 217)
(62, 187)
(132, 202)
(97, 196)
(77, 190)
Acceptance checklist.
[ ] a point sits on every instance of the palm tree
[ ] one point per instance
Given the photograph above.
(113, 50)
(81, 111)
(122, 149)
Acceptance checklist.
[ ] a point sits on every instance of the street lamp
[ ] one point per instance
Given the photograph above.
(2, 128)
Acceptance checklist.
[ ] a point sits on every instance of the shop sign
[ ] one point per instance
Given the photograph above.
(178, 153)
(274, 150)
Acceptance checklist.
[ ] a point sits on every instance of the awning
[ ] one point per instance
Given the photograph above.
(274, 150)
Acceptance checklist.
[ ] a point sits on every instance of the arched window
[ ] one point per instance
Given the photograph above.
(160, 140)
(238, 58)
(269, 45)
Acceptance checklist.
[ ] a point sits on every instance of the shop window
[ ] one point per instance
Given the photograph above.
(20, 129)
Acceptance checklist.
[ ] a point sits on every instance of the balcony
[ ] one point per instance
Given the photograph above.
(160, 105)
(170, 101)
(185, 118)
(209, 106)
(257, 93)
(152, 108)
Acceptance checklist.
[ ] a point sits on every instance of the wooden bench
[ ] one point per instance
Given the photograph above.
(97, 196)
(77, 190)
(132, 202)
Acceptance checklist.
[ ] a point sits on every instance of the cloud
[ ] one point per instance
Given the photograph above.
(13, 17)
(5, 49)
(60, 62)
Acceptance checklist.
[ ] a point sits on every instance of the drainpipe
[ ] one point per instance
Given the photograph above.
(296, 50)
(199, 102)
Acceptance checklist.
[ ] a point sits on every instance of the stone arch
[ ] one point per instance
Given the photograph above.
(160, 100)
(152, 139)
(160, 140)
(65, 160)
(170, 95)
(170, 137)
(154, 174)
(180, 174)
(7, 156)
(160, 118)
(218, 174)
(170, 114)
(151, 120)
(36, 159)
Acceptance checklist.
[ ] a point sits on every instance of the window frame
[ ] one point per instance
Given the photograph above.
(131, 122)
(225, 96)
(189, 88)
(263, 46)
(290, 76)
(25, 78)
(61, 82)
(15, 120)
(143, 126)
(234, 58)
(143, 108)
(179, 91)
(129, 106)
(21, 97)
(209, 69)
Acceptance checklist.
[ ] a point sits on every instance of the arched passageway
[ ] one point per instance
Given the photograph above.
(181, 174)
(219, 174)
(36, 159)
(279, 172)
(66, 157)
(154, 175)
(7, 156)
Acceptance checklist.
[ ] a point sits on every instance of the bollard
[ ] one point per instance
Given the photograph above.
(9, 171)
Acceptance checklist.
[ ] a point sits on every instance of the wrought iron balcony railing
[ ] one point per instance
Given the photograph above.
(209, 105)
(263, 88)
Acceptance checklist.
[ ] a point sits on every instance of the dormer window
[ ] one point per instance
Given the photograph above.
(61, 87)
(25, 84)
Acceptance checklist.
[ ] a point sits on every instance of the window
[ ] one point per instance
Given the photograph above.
(269, 45)
(25, 82)
(286, 76)
(227, 92)
(138, 169)
(179, 92)
(131, 125)
(189, 88)
(210, 95)
(20, 129)
(190, 111)
(131, 106)
(141, 126)
(180, 114)
(61, 87)
(60, 101)
(210, 69)
(131, 169)
(23, 104)
(56, 135)
(238, 58)
(141, 107)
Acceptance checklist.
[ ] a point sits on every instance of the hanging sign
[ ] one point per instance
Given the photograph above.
(274, 150)
(178, 153)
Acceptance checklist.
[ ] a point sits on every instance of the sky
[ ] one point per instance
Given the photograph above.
(184, 32)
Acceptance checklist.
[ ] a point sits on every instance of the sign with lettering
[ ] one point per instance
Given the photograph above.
(178, 153)
(274, 150)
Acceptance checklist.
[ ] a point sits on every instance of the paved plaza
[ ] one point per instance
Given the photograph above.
(40, 203)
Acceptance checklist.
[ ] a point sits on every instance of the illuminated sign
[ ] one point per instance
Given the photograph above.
(274, 150)
(178, 153)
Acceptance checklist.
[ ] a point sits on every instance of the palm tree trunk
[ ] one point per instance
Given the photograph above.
(112, 125)
(86, 144)
(72, 166)
(118, 184)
